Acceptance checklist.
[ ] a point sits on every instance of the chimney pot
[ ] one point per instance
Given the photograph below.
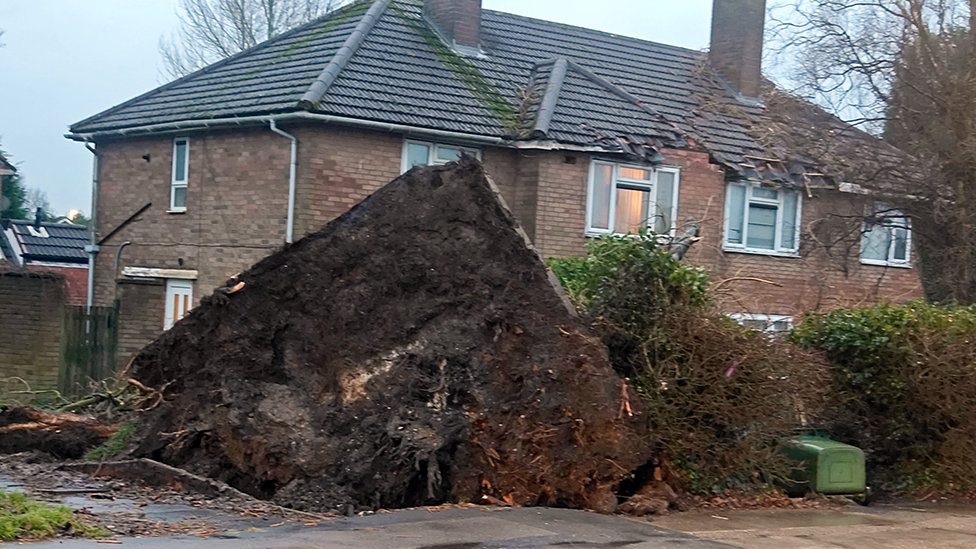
(37, 217)
(737, 43)
(458, 21)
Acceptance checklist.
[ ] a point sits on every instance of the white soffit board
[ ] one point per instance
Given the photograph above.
(151, 272)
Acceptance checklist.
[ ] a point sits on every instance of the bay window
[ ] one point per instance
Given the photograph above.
(625, 199)
(886, 238)
(762, 220)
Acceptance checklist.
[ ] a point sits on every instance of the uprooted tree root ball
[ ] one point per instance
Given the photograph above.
(414, 351)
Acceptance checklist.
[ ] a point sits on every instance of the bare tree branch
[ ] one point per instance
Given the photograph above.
(910, 67)
(211, 30)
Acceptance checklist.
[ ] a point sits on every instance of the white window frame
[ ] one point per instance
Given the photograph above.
(778, 250)
(651, 185)
(174, 184)
(432, 152)
(891, 261)
(771, 319)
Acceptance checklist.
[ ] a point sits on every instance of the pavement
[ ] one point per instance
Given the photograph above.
(481, 528)
(893, 526)
(908, 526)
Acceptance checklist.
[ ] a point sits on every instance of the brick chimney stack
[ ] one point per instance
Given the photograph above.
(737, 43)
(458, 22)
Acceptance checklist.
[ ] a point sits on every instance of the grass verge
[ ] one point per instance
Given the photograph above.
(23, 518)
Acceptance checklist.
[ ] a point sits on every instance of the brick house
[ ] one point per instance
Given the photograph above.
(52, 247)
(585, 132)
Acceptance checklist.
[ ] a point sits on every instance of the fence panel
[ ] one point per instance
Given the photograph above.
(89, 347)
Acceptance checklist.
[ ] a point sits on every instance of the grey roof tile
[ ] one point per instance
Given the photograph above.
(403, 74)
(63, 243)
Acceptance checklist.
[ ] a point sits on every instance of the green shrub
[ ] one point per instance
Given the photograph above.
(717, 398)
(23, 518)
(904, 389)
(609, 257)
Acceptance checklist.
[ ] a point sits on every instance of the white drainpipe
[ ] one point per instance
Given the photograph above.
(289, 230)
(92, 247)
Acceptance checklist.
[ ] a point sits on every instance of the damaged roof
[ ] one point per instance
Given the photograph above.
(51, 242)
(380, 61)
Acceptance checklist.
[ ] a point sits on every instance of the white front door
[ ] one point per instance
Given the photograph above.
(179, 301)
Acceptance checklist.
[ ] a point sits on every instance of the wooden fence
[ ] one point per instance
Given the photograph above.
(88, 348)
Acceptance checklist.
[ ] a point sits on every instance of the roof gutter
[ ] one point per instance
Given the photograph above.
(178, 127)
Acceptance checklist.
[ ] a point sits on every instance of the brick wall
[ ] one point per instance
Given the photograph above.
(817, 280)
(236, 203)
(561, 204)
(75, 281)
(339, 167)
(141, 312)
(237, 197)
(237, 208)
(31, 316)
(526, 194)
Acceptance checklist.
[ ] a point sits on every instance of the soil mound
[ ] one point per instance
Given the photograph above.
(414, 351)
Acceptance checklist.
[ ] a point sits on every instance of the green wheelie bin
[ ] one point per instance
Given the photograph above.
(829, 467)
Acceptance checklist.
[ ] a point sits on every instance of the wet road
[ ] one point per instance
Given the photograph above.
(452, 529)
(904, 526)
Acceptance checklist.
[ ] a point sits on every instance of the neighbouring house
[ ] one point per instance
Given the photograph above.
(53, 247)
(585, 132)
(6, 168)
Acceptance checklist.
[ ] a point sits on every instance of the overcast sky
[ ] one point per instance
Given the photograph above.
(65, 60)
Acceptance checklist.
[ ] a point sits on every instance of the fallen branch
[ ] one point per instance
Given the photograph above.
(51, 422)
(688, 238)
(746, 278)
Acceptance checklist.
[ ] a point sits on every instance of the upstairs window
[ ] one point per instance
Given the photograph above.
(181, 169)
(886, 238)
(762, 219)
(422, 153)
(624, 199)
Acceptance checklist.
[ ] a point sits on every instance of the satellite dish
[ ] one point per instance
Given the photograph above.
(4, 203)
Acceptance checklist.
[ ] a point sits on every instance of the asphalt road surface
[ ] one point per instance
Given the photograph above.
(452, 529)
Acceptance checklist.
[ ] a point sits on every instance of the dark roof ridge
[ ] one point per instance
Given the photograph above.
(216, 65)
(594, 31)
(349, 47)
(553, 89)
